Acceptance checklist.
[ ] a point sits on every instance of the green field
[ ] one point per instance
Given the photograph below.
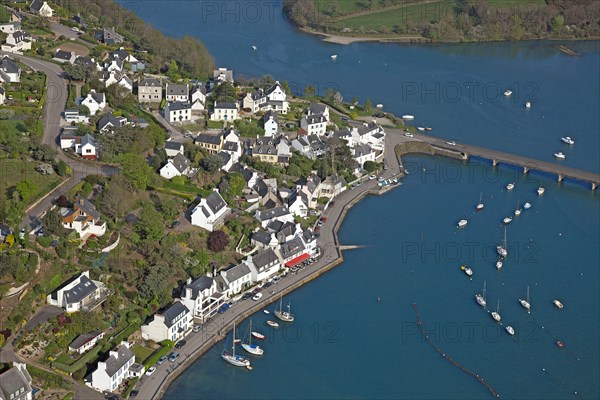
(397, 17)
(14, 171)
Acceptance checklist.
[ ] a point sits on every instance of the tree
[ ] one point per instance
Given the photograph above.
(119, 97)
(75, 72)
(217, 241)
(266, 82)
(62, 168)
(330, 94)
(136, 170)
(310, 91)
(338, 98)
(212, 162)
(368, 105)
(173, 71)
(354, 101)
(62, 201)
(370, 166)
(150, 224)
(155, 282)
(115, 198)
(26, 189)
(225, 92)
(15, 213)
(43, 152)
(558, 23)
(286, 88)
(53, 223)
(236, 183)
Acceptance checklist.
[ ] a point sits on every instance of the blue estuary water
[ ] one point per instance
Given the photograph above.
(345, 343)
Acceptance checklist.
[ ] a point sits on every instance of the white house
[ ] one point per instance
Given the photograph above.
(17, 42)
(124, 55)
(332, 186)
(94, 102)
(2, 95)
(363, 153)
(149, 90)
(210, 213)
(110, 122)
(225, 112)
(82, 145)
(112, 372)
(281, 213)
(41, 8)
(270, 123)
(310, 187)
(177, 92)
(237, 278)
(72, 115)
(174, 323)
(83, 218)
(273, 98)
(118, 78)
(315, 119)
(263, 264)
(62, 56)
(173, 148)
(9, 71)
(10, 27)
(77, 294)
(114, 65)
(15, 383)
(222, 75)
(202, 297)
(298, 204)
(176, 166)
(263, 239)
(178, 112)
(198, 97)
(86, 341)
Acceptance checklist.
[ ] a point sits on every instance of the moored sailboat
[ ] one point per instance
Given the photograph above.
(285, 316)
(248, 346)
(231, 358)
(501, 249)
(496, 314)
(525, 303)
(481, 297)
(480, 205)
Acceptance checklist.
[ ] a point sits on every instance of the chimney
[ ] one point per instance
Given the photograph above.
(189, 280)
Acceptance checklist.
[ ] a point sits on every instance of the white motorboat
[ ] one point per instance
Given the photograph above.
(501, 249)
(254, 47)
(334, 57)
(231, 358)
(258, 335)
(560, 155)
(481, 297)
(527, 206)
(496, 314)
(285, 316)
(468, 271)
(499, 264)
(527, 104)
(480, 205)
(558, 304)
(462, 223)
(568, 140)
(421, 128)
(507, 220)
(510, 330)
(541, 190)
(267, 312)
(517, 210)
(510, 186)
(408, 116)
(508, 92)
(525, 302)
(272, 324)
(380, 106)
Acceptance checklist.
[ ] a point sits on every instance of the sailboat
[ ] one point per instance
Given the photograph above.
(527, 206)
(248, 346)
(481, 297)
(510, 330)
(480, 204)
(499, 264)
(285, 316)
(518, 210)
(496, 314)
(525, 303)
(541, 190)
(232, 359)
(501, 250)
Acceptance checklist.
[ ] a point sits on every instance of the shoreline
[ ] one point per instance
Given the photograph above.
(347, 40)
(310, 275)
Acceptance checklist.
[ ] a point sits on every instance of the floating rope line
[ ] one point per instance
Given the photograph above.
(447, 357)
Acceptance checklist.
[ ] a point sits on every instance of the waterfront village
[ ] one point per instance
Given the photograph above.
(220, 193)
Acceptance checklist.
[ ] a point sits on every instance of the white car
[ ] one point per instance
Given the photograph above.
(408, 134)
(452, 143)
(75, 29)
(150, 371)
(257, 296)
(371, 177)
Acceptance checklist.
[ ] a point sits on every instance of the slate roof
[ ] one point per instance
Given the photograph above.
(172, 312)
(83, 289)
(292, 247)
(273, 213)
(198, 285)
(273, 87)
(226, 105)
(84, 61)
(262, 237)
(84, 338)
(63, 55)
(236, 272)
(180, 163)
(177, 90)
(9, 66)
(178, 105)
(230, 146)
(370, 127)
(215, 202)
(316, 109)
(12, 381)
(36, 5)
(263, 258)
(88, 139)
(120, 54)
(151, 82)
(109, 118)
(173, 145)
(315, 118)
(264, 149)
(225, 157)
(209, 139)
(87, 207)
(269, 114)
(113, 364)
(362, 150)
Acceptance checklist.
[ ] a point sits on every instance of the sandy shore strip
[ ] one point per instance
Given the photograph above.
(346, 40)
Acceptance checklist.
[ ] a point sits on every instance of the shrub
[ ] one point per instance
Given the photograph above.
(217, 241)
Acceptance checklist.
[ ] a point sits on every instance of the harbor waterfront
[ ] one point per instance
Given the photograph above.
(361, 314)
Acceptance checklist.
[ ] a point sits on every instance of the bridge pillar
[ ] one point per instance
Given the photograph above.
(525, 170)
(560, 177)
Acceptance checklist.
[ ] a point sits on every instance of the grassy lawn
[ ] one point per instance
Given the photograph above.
(214, 124)
(14, 171)
(141, 353)
(10, 128)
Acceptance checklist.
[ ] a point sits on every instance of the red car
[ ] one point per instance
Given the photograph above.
(324, 219)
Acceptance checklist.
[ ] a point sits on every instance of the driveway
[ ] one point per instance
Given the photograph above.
(42, 316)
(62, 30)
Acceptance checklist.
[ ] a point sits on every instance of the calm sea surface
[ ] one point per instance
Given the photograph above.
(345, 343)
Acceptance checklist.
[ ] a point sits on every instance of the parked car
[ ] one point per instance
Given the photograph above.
(180, 344)
(150, 371)
(173, 356)
(246, 296)
(452, 143)
(371, 176)
(223, 308)
(161, 360)
(175, 224)
(345, 119)
(408, 134)
(134, 393)
(197, 328)
(324, 219)
(257, 296)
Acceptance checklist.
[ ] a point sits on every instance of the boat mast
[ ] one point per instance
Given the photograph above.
(233, 341)
(505, 238)
(484, 282)
(250, 338)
